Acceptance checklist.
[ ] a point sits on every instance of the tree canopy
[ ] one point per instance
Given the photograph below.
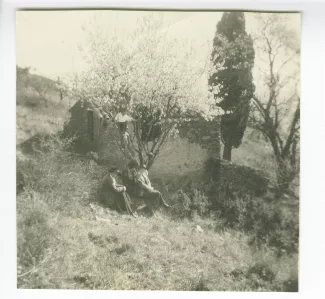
(232, 83)
(146, 74)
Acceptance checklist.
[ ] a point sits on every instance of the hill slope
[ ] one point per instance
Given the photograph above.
(39, 108)
(66, 240)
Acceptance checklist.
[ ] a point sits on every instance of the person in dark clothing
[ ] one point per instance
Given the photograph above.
(129, 176)
(151, 126)
(114, 194)
(156, 128)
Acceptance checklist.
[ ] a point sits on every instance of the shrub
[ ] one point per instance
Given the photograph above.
(266, 222)
(181, 204)
(239, 194)
(200, 202)
(290, 285)
(238, 178)
(276, 230)
(68, 180)
(189, 200)
(199, 284)
(262, 271)
(34, 233)
(30, 99)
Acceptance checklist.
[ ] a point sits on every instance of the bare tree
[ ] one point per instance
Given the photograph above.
(276, 113)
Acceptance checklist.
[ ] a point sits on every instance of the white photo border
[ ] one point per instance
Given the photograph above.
(312, 204)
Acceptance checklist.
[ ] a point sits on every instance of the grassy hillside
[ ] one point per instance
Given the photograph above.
(67, 240)
(254, 152)
(38, 114)
(123, 253)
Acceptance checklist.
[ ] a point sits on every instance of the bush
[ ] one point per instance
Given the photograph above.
(275, 229)
(29, 99)
(68, 180)
(199, 284)
(55, 183)
(264, 220)
(181, 204)
(190, 200)
(239, 194)
(34, 233)
(238, 178)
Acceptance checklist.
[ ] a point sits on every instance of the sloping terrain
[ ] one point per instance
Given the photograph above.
(67, 240)
(119, 252)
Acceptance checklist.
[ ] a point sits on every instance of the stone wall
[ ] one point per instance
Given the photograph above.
(205, 133)
(179, 157)
(185, 154)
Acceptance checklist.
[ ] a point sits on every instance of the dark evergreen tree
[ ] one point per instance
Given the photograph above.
(232, 80)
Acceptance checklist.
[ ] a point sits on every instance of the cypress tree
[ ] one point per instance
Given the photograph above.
(233, 82)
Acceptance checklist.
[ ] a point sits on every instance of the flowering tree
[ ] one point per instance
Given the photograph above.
(145, 75)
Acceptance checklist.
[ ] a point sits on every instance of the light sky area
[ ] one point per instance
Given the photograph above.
(47, 41)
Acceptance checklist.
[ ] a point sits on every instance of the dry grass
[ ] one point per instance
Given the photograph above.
(151, 254)
(61, 243)
(44, 120)
(255, 152)
(36, 115)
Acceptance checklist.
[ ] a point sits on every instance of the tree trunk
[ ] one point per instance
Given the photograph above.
(227, 152)
(285, 175)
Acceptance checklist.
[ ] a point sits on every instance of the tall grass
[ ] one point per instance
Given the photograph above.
(62, 245)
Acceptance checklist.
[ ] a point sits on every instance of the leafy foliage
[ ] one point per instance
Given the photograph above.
(240, 195)
(233, 82)
(189, 201)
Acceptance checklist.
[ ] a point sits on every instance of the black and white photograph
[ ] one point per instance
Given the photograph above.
(158, 150)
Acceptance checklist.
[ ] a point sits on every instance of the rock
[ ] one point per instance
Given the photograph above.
(141, 207)
(103, 219)
(199, 229)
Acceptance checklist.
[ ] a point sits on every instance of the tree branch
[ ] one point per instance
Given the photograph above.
(292, 131)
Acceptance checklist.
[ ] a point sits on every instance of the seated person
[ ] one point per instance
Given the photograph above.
(145, 190)
(114, 194)
(129, 176)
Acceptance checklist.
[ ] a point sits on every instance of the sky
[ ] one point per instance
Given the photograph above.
(47, 41)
